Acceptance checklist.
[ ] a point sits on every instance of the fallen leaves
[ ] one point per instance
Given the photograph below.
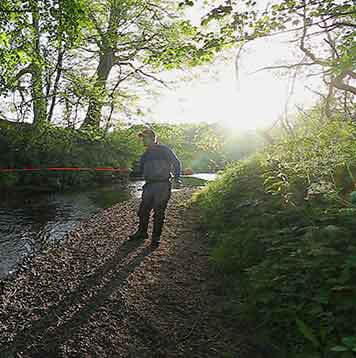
(100, 295)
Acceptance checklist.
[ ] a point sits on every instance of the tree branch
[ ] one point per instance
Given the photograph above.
(302, 42)
(138, 70)
(24, 71)
(99, 29)
(338, 24)
(287, 67)
(338, 83)
(56, 83)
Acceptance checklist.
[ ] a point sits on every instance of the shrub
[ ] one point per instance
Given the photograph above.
(292, 260)
(50, 146)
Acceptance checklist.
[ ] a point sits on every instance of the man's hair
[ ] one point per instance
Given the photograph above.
(148, 132)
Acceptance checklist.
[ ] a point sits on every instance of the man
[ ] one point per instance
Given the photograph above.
(156, 165)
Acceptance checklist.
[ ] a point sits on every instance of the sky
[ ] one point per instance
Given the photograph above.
(215, 95)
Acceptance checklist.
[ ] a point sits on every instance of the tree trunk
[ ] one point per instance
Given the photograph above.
(38, 98)
(96, 103)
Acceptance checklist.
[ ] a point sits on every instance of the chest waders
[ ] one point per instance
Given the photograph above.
(155, 196)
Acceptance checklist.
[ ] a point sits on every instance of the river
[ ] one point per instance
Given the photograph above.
(29, 222)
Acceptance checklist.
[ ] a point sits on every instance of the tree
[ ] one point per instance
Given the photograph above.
(133, 39)
(323, 32)
(82, 61)
(35, 36)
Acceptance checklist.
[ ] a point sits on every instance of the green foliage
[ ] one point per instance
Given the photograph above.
(8, 180)
(285, 14)
(288, 261)
(312, 156)
(161, 39)
(200, 147)
(48, 146)
(348, 345)
(35, 37)
(45, 46)
(328, 23)
(63, 20)
(206, 147)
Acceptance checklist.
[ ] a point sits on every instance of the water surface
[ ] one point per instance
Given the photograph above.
(31, 221)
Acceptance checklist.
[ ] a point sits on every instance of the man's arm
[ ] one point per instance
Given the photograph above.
(175, 163)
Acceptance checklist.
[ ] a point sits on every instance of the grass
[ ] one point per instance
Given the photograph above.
(288, 264)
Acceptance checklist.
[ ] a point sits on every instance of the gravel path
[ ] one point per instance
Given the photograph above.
(100, 295)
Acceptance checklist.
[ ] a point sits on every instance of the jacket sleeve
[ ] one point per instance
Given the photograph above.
(175, 163)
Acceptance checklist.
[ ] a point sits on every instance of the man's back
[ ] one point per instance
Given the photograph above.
(156, 163)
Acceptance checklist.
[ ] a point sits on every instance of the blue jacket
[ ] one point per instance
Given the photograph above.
(157, 162)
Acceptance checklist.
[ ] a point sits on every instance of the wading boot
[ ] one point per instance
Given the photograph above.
(141, 233)
(158, 219)
(155, 241)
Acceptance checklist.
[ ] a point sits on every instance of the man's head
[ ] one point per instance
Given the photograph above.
(148, 137)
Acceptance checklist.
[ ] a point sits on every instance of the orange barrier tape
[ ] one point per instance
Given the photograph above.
(7, 170)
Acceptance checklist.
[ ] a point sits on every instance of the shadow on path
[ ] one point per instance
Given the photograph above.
(87, 296)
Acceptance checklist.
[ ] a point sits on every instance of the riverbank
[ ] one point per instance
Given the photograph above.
(31, 221)
(99, 295)
(286, 252)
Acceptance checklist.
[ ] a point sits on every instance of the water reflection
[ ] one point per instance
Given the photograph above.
(202, 176)
(29, 222)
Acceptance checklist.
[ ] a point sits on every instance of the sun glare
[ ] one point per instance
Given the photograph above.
(256, 100)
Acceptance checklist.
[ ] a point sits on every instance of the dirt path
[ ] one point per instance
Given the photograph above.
(99, 295)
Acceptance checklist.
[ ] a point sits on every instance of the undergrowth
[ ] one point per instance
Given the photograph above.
(282, 228)
(24, 146)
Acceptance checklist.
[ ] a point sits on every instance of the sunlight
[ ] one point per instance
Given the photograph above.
(257, 100)
(213, 94)
(254, 105)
